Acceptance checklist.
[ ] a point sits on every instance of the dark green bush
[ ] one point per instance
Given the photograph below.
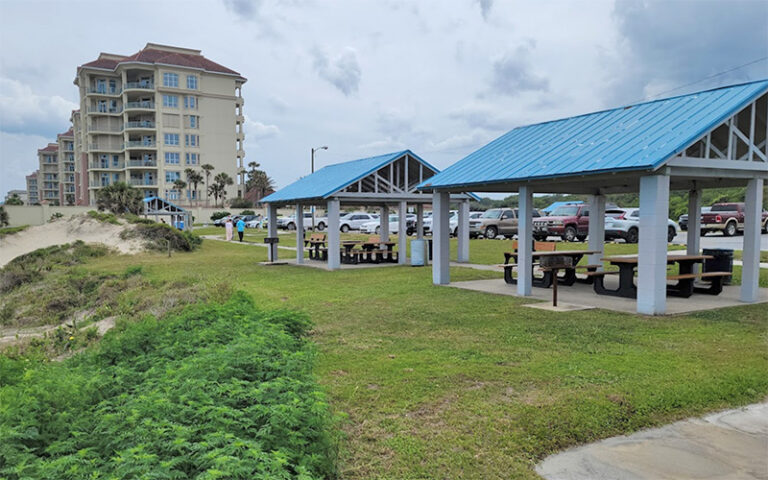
(240, 203)
(247, 212)
(157, 236)
(104, 217)
(217, 215)
(217, 391)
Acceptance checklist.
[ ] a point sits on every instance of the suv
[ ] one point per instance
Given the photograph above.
(496, 221)
(569, 222)
(355, 220)
(626, 226)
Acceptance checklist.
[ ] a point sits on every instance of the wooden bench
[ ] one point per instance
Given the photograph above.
(316, 243)
(315, 238)
(715, 280)
(378, 254)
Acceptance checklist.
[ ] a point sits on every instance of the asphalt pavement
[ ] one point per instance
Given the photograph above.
(718, 240)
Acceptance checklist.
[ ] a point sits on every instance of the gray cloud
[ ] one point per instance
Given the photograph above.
(512, 72)
(24, 111)
(485, 7)
(248, 9)
(668, 44)
(342, 71)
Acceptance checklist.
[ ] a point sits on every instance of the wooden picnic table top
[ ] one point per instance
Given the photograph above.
(563, 252)
(670, 258)
(379, 243)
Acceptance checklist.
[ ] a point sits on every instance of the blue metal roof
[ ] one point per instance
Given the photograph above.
(333, 178)
(636, 137)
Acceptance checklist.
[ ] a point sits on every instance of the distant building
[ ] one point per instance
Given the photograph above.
(68, 179)
(33, 197)
(48, 176)
(22, 194)
(145, 118)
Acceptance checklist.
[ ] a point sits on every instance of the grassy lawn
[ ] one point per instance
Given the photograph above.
(446, 383)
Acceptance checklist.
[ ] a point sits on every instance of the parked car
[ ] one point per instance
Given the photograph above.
(727, 218)
(496, 221)
(569, 222)
(255, 222)
(355, 220)
(374, 226)
(627, 226)
(682, 220)
(453, 221)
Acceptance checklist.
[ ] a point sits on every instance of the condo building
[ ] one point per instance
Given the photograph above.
(48, 174)
(33, 197)
(68, 184)
(145, 118)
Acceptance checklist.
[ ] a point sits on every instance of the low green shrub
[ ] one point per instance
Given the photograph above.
(157, 236)
(11, 230)
(104, 217)
(217, 215)
(216, 391)
(240, 203)
(247, 212)
(55, 216)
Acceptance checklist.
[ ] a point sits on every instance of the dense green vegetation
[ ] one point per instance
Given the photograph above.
(4, 231)
(158, 236)
(104, 217)
(217, 391)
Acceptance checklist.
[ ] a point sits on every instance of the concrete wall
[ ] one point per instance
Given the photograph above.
(38, 214)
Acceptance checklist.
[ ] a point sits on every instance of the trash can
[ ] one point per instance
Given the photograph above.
(722, 261)
(417, 252)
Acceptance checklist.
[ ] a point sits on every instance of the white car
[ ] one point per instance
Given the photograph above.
(627, 226)
(289, 223)
(453, 221)
(394, 225)
(355, 220)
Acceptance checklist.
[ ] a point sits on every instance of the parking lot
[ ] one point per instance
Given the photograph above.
(718, 240)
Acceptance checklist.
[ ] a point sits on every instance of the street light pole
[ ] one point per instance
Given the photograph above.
(312, 209)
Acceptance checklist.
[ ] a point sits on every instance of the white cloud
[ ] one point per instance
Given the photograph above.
(17, 159)
(23, 110)
(343, 71)
(259, 130)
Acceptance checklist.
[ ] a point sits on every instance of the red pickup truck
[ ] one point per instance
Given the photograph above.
(727, 218)
(569, 222)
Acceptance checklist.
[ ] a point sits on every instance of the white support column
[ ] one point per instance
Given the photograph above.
(402, 237)
(525, 241)
(420, 221)
(693, 241)
(652, 258)
(384, 223)
(441, 260)
(596, 232)
(463, 233)
(272, 231)
(299, 233)
(750, 270)
(334, 238)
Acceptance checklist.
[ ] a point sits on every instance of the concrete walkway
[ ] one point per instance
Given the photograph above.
(727, 445)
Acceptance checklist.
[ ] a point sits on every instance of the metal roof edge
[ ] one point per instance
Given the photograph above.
(390, 157)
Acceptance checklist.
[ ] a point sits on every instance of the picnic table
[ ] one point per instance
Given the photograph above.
(685, 278)
(375, 254)
(317, 248)
(545, 281)
(348, 256)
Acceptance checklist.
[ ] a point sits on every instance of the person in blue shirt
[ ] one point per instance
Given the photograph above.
(240, 228)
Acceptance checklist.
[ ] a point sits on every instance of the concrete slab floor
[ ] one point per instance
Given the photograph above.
(584, 294)
(561, 307)
(726, 445)
(324, 265)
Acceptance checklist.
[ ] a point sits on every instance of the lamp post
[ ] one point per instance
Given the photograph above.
(324, 147)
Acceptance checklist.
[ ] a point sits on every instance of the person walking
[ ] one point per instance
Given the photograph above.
(228, 228)
(240, 228)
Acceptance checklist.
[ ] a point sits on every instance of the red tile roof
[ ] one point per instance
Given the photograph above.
(52, 147)
(68, 133)
(154, 55)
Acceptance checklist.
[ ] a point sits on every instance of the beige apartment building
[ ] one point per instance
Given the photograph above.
(146, 117)
(33, 196)
(68, 184)
(48, 174)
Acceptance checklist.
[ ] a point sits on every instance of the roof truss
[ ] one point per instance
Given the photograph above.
(398, 177)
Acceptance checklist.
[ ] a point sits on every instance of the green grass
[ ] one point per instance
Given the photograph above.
(737, 254)
(4, 231)
(446, 383)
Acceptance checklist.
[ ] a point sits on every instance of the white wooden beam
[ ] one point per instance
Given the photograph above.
(299, 233)
(441, 273)
(596, 234)
(525, 241)
(750, 270)
(693, 242)
(463, 233)
(334, 238)
(402, 234)
(652, 258)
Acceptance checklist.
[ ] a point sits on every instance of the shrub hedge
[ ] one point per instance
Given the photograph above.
(157, 235)
(217, 391)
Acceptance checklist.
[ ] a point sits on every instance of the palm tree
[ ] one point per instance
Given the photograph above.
(3, 217)
(194, 178)
(259, 180)
(208, 168)
(220, 182)
(119, 198)
(179, 184)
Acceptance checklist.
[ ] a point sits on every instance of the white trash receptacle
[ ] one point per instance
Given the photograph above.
(418, 250)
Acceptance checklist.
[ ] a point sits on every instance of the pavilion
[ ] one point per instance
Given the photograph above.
(384, 181)
(708, 139)
(157, 207)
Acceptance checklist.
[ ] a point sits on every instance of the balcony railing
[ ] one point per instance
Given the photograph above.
(105, 110)
(145, 105)
(102, 147)
(141, 85)
(142, 182)
(142, 163)
(107, 166)
(142, 124)
(104, 91)
(140, 144)
(104, 129)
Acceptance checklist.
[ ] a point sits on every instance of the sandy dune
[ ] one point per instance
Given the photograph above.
(64, 231)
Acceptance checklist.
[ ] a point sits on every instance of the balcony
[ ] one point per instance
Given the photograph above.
(106, 166)
(104, 91)
(145, 105)
(142, 163)
(101, 129)
(140, 144)
(143, 125)
(101, 110)
(142, 182)
(139, 86)
(100, 147)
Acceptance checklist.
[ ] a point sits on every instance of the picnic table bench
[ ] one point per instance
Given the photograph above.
(316, 244)
(542, 250)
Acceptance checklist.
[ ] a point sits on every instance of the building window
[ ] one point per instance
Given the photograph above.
(192, 159)
(115, 160)
(172, 158)
(171, 101)
(104, 179)
(171, 177)
(192, 140)
(192, 82)
(171, 80)
(190, 102)
(171, 138)
(115, 177)
(193, 121)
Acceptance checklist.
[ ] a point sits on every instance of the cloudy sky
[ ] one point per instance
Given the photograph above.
(367, 77)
